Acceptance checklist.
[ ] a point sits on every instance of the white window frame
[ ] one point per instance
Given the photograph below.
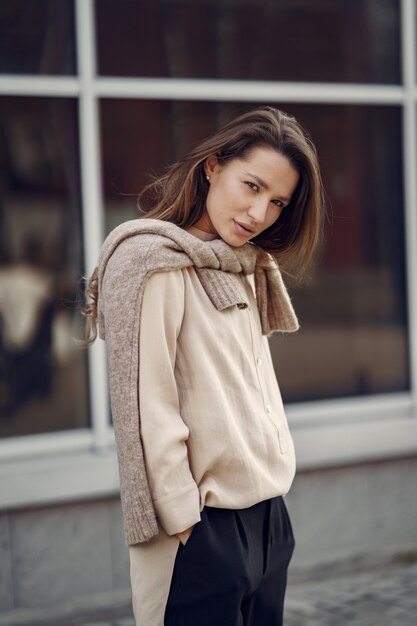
(56, 467)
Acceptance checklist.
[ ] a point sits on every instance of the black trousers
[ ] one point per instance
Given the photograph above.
(233, 569)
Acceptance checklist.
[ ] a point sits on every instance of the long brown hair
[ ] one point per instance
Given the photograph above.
(179, 196)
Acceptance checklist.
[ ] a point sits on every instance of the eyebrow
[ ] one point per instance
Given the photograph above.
(262, 183)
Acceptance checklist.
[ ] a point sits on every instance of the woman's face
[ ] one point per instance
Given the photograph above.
(246, 196)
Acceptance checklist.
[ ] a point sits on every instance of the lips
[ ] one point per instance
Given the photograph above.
(246, 227)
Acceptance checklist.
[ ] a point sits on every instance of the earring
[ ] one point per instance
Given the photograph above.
(208, 178)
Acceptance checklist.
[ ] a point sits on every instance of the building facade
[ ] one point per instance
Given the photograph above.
(95, 97)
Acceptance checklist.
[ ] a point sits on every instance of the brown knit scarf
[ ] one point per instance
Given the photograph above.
(129, 256)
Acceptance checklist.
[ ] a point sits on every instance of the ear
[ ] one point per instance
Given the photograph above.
(211, 165)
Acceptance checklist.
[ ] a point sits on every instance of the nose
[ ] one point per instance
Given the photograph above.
(257, 211)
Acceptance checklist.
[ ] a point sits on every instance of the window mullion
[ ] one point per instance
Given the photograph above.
(247, 91)
(410, 171)
(92, 204)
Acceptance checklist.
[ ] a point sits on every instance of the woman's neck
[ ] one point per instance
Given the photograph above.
(201, 234)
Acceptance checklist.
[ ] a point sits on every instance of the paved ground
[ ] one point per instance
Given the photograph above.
(384, 596)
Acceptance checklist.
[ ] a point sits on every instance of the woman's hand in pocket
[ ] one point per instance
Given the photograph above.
(185, 535)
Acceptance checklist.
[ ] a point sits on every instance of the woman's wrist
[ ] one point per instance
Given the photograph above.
(184, 535)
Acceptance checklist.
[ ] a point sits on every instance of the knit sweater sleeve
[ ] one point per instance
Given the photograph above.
(164, 434)
(120, 296)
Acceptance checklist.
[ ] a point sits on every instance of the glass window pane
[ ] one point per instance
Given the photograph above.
(139, 138)
(353, 312)
(43, 375)
(289, 40)
(37, 37)
(354, 337)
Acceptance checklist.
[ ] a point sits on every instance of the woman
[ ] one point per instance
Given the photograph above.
(185, 299)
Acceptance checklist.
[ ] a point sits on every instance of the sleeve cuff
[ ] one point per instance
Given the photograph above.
(179, 511)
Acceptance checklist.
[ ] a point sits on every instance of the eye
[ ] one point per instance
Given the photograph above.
(251, 185)
(279, 204)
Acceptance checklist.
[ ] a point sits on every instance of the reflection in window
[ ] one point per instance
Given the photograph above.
(43, 380)
(37, 37)
(353, 337)
(354, 309)
(289, 40)
(139, 138)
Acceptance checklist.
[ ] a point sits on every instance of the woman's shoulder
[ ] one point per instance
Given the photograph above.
(137, 246)
(145, 230)
(136, 235)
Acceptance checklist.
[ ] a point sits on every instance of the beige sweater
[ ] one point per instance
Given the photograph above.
(213, 425)
(130, 255)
